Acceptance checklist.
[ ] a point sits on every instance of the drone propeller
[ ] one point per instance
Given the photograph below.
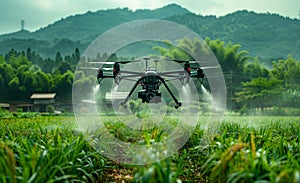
(184, 61)
(119, 62)
(94, 68)
(88, 68)
(195, 62)
(210, 67)
(206, 67)
(178, 61)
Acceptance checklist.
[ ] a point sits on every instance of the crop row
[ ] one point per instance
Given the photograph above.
(245, 149)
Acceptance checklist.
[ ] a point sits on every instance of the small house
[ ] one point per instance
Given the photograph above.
(16, 106)
(42, 100)
(5, 106)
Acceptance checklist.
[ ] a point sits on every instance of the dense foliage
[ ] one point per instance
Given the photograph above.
(22, 74)
(251, 85)
(246, 149)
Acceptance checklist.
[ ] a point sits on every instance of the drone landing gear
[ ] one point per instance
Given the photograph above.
(178, 104)
(130, 93)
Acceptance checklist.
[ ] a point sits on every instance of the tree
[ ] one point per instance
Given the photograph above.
(2, 61)
(63, 86)
(287, 70)
(229, 55)
(2, 84)
(29, 82)
(260, 93)
(21, 73)
(13, 89)
(48, 65)
(291, 98)
(58, 58)
(29, 54)
(64, 67)
(11, 53)
(175, 52)
(76, 56)
(42, 82)
(7, 72)
(255, 69)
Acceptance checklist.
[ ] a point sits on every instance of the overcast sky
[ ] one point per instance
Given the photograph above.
(40, 13)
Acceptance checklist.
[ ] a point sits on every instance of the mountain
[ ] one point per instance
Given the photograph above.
(81, 29)
(89, 25)
(265, 35)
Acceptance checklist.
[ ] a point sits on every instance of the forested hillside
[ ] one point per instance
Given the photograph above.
(250, 85)
(264, 35)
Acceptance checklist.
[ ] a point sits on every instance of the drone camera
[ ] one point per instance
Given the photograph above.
(150, 96)
(150, 92)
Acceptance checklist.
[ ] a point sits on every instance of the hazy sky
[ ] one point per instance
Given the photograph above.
(40, 13)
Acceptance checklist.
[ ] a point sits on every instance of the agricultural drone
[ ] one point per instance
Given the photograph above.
(150, 79)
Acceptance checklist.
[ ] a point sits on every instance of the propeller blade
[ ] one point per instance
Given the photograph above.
(204, 68)
(190, 61)
(120, 62)
(210, 67)
(178, 61)
(88, 68)
(128, 61)
(94, 68)
(108, 63)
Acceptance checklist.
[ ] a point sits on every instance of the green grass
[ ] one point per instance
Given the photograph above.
(245, 149)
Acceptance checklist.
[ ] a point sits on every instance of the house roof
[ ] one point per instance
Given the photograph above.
(43, 96)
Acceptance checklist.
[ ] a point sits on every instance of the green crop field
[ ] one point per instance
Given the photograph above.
(245, 149)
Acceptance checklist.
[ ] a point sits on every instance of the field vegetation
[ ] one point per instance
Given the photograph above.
(37, 148)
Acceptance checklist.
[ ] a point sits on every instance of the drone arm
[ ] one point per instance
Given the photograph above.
(131, 72)
(131, 76)
(131, 91)
(166, 73)
(178, 104)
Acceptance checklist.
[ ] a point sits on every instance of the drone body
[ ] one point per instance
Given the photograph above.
(151, 79)
(150, 88)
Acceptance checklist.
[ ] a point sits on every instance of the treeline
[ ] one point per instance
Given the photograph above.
(24, 73)
(251, 86)
(277, 88)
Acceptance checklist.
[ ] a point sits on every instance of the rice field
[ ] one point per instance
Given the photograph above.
(246, 149)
